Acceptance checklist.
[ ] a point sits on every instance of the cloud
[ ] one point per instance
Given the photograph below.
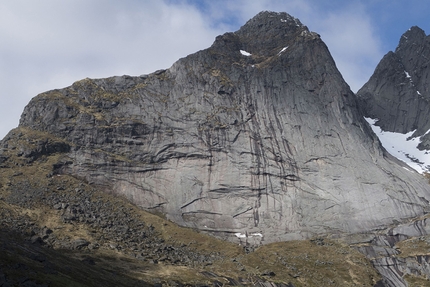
(234, 14)
(350, 36)
(50, 44)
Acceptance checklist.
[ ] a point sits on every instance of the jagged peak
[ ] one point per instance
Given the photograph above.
(280, 17)
(414, 35)
(274, 24)
(414, 31)
(266, 34)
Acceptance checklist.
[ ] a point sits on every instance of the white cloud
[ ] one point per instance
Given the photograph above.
(50, 44)
(240, 11)
(351, 38)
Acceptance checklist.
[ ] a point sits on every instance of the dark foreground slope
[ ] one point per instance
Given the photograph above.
(398, 93)
(270, 144)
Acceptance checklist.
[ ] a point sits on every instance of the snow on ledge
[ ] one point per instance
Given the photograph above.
(283, 50)
(245, 53)
(407, 169)
(241, 235)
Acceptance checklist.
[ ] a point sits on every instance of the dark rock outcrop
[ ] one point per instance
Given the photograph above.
(386, 255)
(256, 136)
(398, 94)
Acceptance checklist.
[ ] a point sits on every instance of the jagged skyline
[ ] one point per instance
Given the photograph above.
(50, 45)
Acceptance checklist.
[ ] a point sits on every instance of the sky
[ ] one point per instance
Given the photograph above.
(49, 44)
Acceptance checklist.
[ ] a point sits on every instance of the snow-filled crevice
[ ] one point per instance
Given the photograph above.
(283, 50)
(408, 76)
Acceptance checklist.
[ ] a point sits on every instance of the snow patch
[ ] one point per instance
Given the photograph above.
(241, 235)
(284, 21)
(283, 50)
(403, 146)
(407, 169)
(418, 92)
(407, 75)
(245, 53)
(371, 121)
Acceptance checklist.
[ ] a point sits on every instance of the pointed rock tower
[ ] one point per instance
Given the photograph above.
(398, 92)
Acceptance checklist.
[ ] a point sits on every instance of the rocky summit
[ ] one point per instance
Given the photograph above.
(255, 140)
(397, 94)
(256, 136)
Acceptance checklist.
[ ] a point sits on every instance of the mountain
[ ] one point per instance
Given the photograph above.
(397, 97)
(255, 140)
(258, 134)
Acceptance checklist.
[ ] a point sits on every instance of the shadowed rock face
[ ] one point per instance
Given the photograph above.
(258, 134)
(398, 94)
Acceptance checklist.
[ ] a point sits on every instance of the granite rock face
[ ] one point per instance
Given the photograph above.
(257, 136)
(398, 94)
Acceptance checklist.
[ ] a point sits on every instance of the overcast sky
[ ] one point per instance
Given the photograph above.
(49, 44)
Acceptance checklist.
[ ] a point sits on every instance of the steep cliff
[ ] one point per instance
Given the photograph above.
(397, 94)
(256, 138)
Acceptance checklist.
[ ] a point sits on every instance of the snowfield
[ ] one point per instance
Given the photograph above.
(403, 147)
